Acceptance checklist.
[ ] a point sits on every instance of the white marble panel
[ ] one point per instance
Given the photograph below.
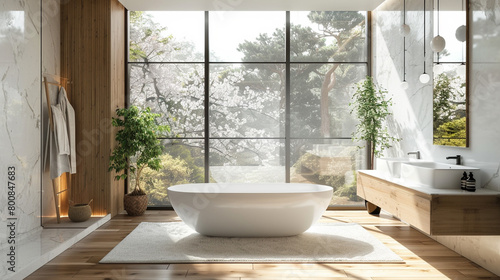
(20, 114)
(412, 120)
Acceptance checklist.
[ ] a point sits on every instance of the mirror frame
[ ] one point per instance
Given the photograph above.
(467, 78)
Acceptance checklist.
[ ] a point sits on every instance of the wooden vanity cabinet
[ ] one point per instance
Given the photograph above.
(436, 213)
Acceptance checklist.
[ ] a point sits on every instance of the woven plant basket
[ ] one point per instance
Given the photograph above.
(135, 205)
(79, 212)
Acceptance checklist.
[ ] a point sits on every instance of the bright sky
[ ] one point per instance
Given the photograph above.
(228, 29)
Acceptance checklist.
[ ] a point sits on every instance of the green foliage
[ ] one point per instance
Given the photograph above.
(449, 121)
(452, 133)
(308, 167)
(349, 190)
(174, 171)
(444, 92)
(372, 109)
(194, 159)
(336, 21)
(137, 143)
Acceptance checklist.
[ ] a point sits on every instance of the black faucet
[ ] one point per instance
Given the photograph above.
(417, 154)
(457, 157)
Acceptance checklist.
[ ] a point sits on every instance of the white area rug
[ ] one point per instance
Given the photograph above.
(175, 242)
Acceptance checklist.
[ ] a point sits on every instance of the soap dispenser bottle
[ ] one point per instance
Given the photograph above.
(471, 183)
(463, 181)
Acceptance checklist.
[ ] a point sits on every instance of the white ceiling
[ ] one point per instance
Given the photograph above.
(251, 5)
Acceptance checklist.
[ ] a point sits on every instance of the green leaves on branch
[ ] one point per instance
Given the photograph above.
(372, 109)
(449, 115)
(137, 143)
(452, 133)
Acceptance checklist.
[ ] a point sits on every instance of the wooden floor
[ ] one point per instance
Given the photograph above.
(424, 258)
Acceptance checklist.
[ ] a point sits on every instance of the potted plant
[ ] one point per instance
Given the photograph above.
(372, 109)
(138, 147)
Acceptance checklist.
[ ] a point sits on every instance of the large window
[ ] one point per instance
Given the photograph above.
(251, 96)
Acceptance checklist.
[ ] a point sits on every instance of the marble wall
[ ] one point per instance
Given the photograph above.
(51, 69)
(412, 119)
(20, 125)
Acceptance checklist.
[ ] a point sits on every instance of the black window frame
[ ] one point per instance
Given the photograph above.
(288, 63)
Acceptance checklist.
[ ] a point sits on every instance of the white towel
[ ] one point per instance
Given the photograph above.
(60, 131)
(69, 117)
(59, 164)
(61, 140)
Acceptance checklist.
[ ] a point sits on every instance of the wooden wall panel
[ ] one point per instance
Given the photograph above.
(117, 55)
(92, 38)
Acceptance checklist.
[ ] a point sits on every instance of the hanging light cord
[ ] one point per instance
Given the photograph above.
(437, 54)
(404, 59)
(404, 42)
(404, 11)
(424, 38)
(438, 18)
(466, 16)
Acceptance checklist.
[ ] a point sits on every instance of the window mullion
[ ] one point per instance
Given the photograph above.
(287, 99)
(207, 101)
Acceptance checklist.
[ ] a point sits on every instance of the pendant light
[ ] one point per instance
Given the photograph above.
(461, 33)
(405, 28)
(438, 43)
(406, 31)
(424, 78)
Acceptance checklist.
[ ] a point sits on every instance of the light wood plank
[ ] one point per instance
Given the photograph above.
(409, 205)
(424, 257)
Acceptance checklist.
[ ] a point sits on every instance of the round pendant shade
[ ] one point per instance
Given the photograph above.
(438, 44)
(425, 78)
(461, 33)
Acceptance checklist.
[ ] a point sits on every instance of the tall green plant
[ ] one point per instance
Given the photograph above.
(138, 146)
(371, 107)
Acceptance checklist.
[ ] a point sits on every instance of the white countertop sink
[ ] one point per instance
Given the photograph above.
(437, 175)
(391, 167)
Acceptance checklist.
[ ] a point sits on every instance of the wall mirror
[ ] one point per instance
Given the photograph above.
(450, 106)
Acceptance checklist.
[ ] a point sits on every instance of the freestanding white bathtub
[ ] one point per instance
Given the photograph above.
(249, 210)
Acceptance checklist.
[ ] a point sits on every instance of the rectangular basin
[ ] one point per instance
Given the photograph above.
(391, 167)
(437, 175)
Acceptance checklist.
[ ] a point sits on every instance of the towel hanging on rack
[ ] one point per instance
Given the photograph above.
(69, 116)
(61, 139)
(61, 135)
(59, 160)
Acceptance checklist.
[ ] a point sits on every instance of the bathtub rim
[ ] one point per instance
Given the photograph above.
(318, 188)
